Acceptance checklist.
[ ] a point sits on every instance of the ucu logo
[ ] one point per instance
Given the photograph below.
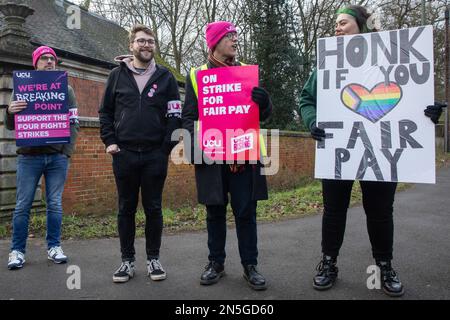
(23, 75)
(212, 143)
(174, 105)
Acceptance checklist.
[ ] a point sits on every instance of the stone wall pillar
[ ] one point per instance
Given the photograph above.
(15, 54)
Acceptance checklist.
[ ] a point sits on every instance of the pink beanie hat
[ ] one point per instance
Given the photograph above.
(215, 31)
(41, 51)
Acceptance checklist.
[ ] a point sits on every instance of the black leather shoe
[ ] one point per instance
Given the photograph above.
(254, 279)
(327, 273)
(212, 274)
(392, 285)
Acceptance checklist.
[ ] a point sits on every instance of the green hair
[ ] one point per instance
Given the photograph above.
(360, 14)
(347, 11)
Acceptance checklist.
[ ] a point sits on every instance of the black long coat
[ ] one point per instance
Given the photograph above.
(209, 176)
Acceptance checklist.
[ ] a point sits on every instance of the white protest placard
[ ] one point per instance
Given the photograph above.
(372, 90)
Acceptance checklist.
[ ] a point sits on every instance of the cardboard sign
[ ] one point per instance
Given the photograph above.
(372, 90)
(46, 118)
(228, 117)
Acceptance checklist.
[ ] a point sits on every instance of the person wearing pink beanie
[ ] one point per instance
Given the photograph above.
(216, 31)
(244, 182)
(33, 162)
(45, 52)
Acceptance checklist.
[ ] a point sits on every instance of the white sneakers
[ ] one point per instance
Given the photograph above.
(16, 260)
(155, 270)
(125, 272)
(57, 255)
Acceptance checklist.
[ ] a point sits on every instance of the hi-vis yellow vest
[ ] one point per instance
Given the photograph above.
(193, 75)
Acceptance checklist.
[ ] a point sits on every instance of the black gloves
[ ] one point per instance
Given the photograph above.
(434, 111)
(261, 97)
(317, 133)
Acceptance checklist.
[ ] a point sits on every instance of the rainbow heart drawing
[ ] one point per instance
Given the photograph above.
(371, 104)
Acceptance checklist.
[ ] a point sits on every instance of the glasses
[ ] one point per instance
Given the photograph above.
(142, 42)
(232, 35)
(43, 58)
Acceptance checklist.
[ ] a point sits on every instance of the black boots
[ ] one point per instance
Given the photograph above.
(254, 279)
(212, 274)
(214, 271)
(327, 273)
(389, 280)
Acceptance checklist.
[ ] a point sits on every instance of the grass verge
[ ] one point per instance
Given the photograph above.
(281, 205)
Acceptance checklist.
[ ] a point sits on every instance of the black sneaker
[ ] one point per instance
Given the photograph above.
(327, 273)
(212, 274)
(125, 272)
(155, 270)
(255, 280)
(392, 285)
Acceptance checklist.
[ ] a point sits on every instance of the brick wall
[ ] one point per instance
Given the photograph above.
(90, 188)
(89, 94)
(296, 160)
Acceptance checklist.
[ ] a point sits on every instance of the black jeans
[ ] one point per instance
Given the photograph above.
(378, 201)
(239, 185)
(146, 171)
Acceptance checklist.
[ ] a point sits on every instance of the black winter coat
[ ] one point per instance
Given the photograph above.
(137, 121)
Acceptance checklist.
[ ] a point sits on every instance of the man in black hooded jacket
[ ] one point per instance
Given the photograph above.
(140, 110)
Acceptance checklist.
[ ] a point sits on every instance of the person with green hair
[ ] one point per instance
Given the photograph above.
(378, 197)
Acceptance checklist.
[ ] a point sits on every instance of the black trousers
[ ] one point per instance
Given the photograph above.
(239, 185)
(146, 171)
(378, 201)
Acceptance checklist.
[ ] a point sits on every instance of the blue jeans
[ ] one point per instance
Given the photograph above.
(30, 168)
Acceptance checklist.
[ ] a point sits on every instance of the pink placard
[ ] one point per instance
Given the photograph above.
(42, 134)
(229, 118)
(34, 126)
(46, 120)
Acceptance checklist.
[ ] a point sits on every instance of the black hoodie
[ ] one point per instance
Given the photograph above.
(135, 121)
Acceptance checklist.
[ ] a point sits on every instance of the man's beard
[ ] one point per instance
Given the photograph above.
(46, 68)
(139, 55)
